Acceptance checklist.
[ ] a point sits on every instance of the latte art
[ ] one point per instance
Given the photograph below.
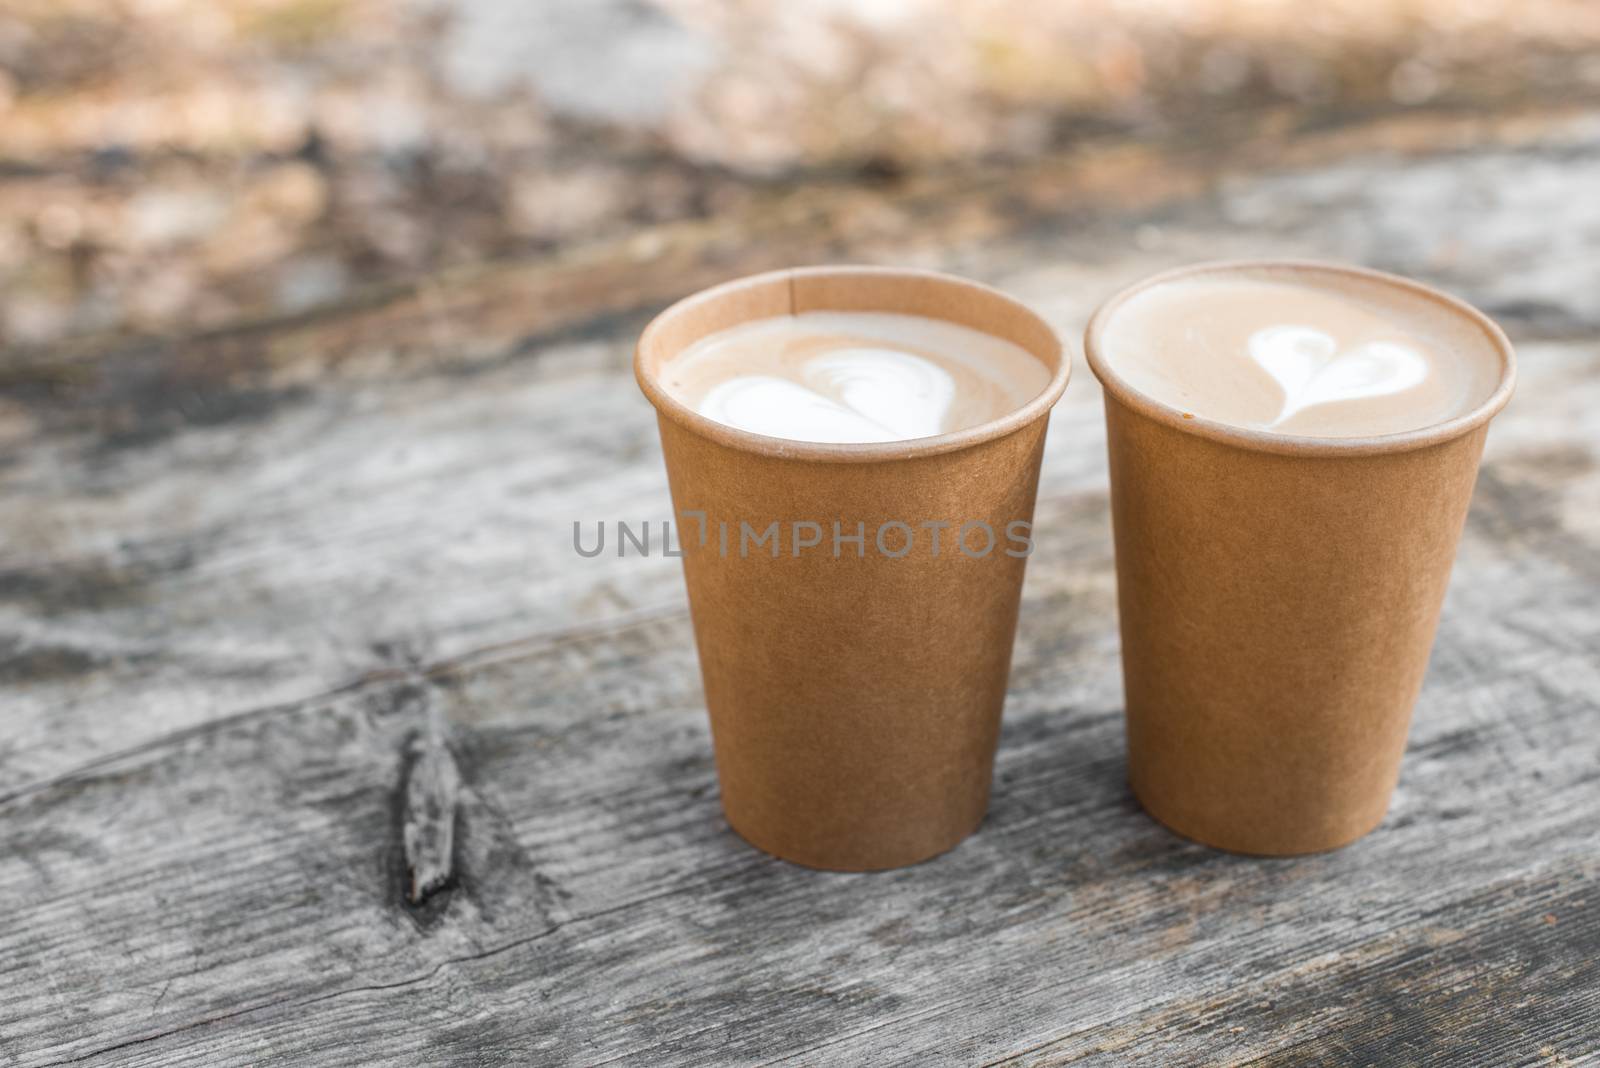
(1309, 366)
(846, 395)
(853, 377)
(1305, 354)
(851, 395)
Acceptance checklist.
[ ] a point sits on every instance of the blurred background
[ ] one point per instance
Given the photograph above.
(177, 165)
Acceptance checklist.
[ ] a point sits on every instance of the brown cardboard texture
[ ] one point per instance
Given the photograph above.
(1278, 599)
(854, 688)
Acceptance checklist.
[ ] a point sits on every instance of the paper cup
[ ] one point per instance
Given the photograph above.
(1278, 598)
(854, 688)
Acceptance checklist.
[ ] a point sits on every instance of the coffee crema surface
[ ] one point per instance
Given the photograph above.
(853, 377)
(1301, 352)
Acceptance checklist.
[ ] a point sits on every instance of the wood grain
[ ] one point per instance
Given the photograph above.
(321, 745)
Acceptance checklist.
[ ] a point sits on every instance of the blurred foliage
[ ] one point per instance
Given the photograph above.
(178, 164)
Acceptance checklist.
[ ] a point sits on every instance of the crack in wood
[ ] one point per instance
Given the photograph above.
(496, 654)
(738, 871)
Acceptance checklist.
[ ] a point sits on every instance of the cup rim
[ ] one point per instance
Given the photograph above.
(1292, 444)
(848, 452)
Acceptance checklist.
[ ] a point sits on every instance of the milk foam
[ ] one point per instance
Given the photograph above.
(853, 377)
(1295, 354)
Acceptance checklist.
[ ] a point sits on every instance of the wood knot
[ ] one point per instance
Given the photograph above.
(428, 817)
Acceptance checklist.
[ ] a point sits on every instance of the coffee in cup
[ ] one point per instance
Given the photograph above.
(1292, 451)
(832, 376)
(858, 449)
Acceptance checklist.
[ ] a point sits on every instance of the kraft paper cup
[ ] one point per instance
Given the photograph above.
(854, 699)
(1278, 598)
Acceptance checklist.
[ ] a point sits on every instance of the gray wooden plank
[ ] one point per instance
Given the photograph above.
(225, 641)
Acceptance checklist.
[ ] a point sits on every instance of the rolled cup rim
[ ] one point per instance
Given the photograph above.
(1294, 444)
(850, 452)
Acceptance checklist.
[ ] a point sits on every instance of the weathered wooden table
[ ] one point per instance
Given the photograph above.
(271, 596)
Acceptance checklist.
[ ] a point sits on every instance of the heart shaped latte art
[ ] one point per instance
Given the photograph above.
(1308, 365)
(848, 395)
